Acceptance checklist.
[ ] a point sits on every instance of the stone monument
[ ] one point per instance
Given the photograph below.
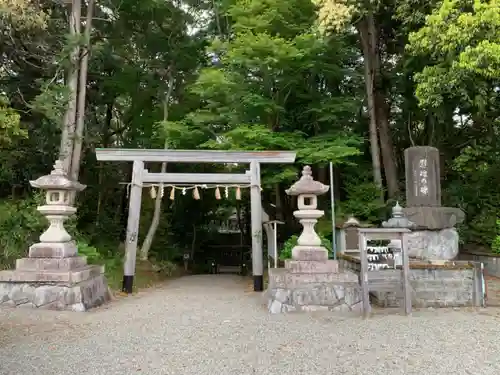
(310, 281)
(434, 236)
(54, 276)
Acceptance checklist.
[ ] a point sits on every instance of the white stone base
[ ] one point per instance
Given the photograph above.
(76, 297)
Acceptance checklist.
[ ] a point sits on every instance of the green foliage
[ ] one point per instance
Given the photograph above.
(256, 97)
(474, 190)
(51, 102)
(91, 252)
(166, 267)
(362, 201)
(286, 252)
(20, 225)
(463, 40)
(9, 123)
(495, 245)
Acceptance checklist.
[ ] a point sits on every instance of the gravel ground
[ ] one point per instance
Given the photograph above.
(208, 325)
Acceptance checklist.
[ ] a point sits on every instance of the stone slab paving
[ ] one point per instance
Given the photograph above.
(200, 325)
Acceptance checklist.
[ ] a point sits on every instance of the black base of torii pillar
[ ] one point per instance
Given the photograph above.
(128, 284)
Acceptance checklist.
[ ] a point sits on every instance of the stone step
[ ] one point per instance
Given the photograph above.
(74, 276)
(51, 264)
(304, 266)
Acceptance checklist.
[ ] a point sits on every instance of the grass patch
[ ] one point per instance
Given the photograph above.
(147, 274)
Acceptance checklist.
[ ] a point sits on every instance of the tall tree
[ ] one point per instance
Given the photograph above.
(364, 16)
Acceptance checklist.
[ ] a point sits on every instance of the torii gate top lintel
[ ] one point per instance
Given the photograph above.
(195, 156)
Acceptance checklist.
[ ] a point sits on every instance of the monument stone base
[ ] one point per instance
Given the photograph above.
(313, 286)
(433, 244)
(434, 218)
(54, 282)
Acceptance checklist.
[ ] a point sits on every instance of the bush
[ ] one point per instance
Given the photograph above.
(91, 252)
(286, 252)
(495, 245)
(20, 226)
(165, 267)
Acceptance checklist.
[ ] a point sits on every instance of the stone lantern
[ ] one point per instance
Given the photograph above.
(59, 190)
(307, 191)
(54, 276)
(310, 281)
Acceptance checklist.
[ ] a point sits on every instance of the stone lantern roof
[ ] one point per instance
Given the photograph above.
(57, 180)
(307, 185)
(398, 219)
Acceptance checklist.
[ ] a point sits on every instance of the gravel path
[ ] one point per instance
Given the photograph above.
(208, 325)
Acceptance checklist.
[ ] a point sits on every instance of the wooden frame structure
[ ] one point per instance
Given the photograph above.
(141, 175)
(387, 280)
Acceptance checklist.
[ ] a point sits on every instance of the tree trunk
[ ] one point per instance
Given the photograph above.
(105, 143)
(382, 112)
(278, 202)
(82, 92)
(369, 60)
(69, 121)
(148, 241)
(387, 148)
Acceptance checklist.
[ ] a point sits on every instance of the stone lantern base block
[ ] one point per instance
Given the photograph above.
(75, 275)
(53, 250)
(309, 286)
(304, 266)
(310, 253)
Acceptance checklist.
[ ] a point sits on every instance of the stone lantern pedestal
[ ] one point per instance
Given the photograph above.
(310, 281)
(54, 276)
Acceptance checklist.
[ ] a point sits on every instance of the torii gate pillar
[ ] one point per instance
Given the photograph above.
(256, 217)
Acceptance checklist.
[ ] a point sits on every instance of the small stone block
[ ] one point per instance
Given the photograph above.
(304, 266)
(53, 250)
(310, 253)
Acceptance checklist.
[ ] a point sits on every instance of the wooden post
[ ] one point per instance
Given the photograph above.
(256, 215)
(134, 213)
(363, 275)
(275, 244)
(406, 274)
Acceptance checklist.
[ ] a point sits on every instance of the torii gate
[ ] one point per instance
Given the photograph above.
(141, 175)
